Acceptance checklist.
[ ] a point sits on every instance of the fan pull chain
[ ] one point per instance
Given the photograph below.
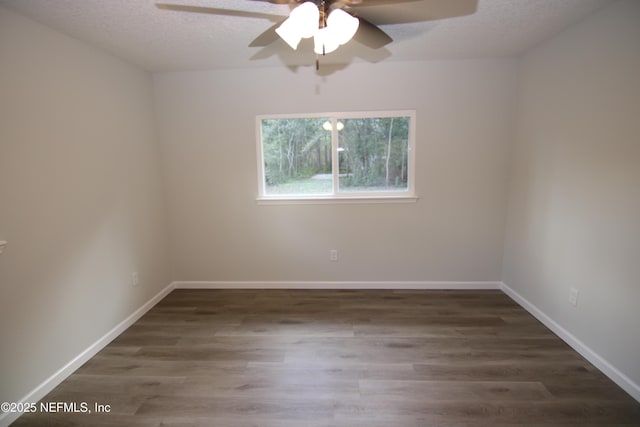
(322, 6)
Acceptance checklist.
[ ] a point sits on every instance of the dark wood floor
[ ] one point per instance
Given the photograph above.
(236, 358)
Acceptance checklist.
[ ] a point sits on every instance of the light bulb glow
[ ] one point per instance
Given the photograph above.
(343, 24)
(325, 41)
(306, 17)
(289, 33)
(301, 24)
(329, 126)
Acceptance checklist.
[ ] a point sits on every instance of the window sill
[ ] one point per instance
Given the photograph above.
(320, 200)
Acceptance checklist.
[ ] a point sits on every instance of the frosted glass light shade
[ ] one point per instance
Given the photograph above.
(289, 33)
(306, 17)
(301, 24)
(343, 25)
(325, 41)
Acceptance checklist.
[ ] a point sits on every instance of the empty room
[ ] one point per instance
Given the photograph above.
(339, 213)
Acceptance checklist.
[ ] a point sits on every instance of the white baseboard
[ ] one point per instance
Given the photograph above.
(336, 285)
(626, 383)
(50, 383)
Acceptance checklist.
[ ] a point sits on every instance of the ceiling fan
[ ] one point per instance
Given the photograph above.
(332, 23)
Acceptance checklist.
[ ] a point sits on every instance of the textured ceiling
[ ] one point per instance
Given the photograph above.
(161, 40)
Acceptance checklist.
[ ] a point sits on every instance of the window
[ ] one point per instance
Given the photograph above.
(336, 156)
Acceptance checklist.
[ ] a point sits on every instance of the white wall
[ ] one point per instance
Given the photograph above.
(453, 233)
(574, 204)
(81, 200)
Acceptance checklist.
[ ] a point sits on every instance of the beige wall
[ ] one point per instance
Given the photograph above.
(81, 202)
(574, 205)
(453, 233)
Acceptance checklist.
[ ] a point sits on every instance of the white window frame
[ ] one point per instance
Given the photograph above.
(345, 197)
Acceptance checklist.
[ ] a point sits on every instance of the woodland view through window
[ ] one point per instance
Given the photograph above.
(337, 155)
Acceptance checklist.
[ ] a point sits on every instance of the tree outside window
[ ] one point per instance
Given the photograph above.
(336, 155)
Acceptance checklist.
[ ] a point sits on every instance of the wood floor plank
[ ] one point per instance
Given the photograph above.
(339, 358)
(495, 411)
(255, 408)
(392, 390)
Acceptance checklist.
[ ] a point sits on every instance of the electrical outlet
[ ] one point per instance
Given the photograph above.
(573, 296)
(333, 255)
(135, 279)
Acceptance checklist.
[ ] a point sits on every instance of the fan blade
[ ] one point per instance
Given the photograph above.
(267, 37)
(370, 35)
(414, 11)
(342, 3)
(279, 1)
(356, 3)
(218, 11)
